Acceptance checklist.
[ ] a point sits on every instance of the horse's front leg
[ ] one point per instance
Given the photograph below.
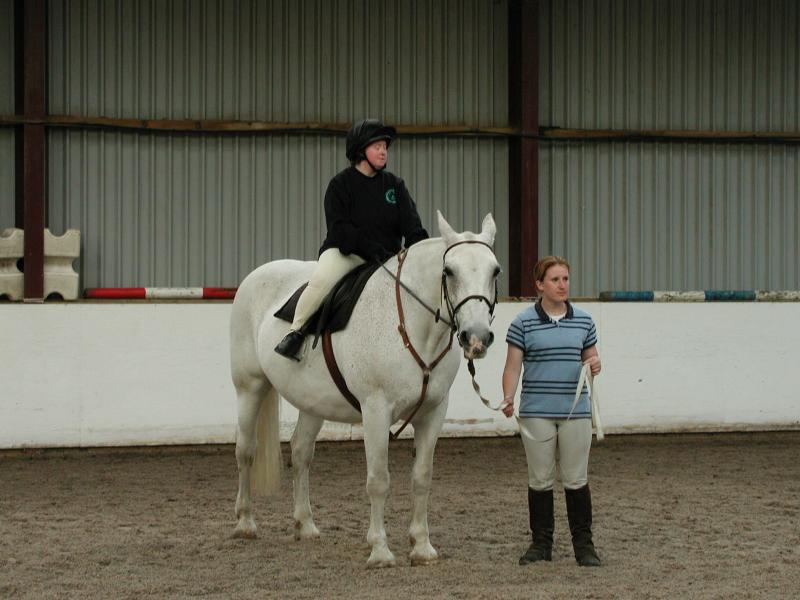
(303, 440)
(377, 421)
(426, 431)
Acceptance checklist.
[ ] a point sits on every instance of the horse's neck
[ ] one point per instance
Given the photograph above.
(422, 272)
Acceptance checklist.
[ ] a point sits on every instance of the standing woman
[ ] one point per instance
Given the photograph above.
(368, 212)
(552, 340)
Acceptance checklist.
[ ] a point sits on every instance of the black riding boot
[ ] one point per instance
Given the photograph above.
(540, 508)
(579, 513)
(290, 345)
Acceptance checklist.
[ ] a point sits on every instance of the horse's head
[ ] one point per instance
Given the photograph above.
(469, 284)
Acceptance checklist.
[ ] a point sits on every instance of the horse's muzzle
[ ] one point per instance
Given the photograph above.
(475, 345)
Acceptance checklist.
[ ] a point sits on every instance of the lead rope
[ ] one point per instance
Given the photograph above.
(584, 378)
(477, 388)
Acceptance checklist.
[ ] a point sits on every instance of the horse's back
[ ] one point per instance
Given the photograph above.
(272, 282)
(258, 297)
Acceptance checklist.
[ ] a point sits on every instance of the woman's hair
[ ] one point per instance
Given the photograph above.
(540, 270)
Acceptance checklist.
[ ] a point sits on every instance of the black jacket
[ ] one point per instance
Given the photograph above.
(370, 216)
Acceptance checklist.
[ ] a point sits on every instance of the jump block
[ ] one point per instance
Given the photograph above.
(59, 253)
(12, 248)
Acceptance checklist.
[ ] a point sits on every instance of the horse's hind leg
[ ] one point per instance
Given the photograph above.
(303, 439)
(426, 432)
(250, 395)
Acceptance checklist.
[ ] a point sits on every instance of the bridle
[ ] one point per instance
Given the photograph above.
(452, 323)
(452, 311)
(444, 294)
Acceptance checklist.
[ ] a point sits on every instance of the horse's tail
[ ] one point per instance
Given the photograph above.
(265, 476)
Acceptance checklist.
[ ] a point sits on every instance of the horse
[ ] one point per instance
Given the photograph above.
(456, 272)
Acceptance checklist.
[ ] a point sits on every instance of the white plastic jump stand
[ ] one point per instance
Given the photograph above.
(12, 248)
(59, 253)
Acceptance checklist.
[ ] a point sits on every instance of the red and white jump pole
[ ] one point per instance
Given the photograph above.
(141, 293)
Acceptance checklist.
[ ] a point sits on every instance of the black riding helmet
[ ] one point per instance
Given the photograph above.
(365, 132)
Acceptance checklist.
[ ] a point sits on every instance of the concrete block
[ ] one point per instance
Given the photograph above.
(59, 253)
(12, 248)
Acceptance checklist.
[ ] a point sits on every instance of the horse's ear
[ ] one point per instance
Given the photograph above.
(445, 230)
(488, 229)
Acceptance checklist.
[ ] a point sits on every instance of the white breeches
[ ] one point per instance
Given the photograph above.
(331, 267)
(572, 438)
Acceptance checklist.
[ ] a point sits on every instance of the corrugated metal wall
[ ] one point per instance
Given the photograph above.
(160, 209)
(672, 216)
(6, 108)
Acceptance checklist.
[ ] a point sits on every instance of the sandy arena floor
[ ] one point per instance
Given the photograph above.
(687, 516)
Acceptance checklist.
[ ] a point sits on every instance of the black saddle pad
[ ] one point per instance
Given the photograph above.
(337, 307)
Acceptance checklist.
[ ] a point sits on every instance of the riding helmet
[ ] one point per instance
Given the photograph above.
(365, 132)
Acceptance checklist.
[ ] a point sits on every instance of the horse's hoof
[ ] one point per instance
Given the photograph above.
(245, 531)
(380, 559)
(307, 531)
(426, 556)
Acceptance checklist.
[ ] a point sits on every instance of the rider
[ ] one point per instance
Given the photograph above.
(552, 339)
(368, 213)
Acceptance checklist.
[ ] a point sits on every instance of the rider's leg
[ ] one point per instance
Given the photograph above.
(331, 267)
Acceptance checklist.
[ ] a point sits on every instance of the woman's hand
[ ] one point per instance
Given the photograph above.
(594, 364)
(508, 407)
(511, 377)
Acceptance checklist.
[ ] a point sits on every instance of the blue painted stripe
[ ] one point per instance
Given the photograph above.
(730, 295)
(708, 295)
(626, 296)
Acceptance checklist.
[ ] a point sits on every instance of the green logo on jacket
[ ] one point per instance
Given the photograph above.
(390, 196)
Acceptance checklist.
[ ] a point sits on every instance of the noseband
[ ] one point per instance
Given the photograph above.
(452, 311)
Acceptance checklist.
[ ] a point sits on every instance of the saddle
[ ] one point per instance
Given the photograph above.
(334, 314)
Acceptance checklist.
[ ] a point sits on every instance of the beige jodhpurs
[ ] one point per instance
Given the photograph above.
(331, 267)
(572, 438)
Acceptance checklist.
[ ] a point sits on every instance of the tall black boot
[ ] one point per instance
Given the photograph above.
(579, 513)
(291, 344)
(540, 509)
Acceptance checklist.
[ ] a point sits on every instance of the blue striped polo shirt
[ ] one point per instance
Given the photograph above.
(552, 361)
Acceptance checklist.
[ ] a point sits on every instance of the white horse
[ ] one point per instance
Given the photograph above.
(445, 272)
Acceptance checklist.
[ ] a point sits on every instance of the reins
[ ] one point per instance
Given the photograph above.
(413, 294)
(452, 312)
(426, 368)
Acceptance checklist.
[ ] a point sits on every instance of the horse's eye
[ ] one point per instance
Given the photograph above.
(448, 271)
(497, 271)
